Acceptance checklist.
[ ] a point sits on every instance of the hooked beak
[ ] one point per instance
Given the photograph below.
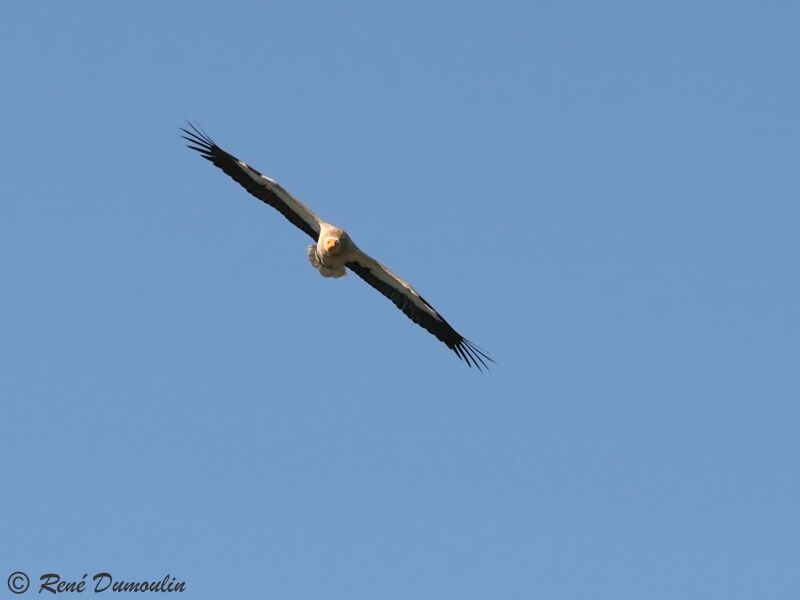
(331, 244)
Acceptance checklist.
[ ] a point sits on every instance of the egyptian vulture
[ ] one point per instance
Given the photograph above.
(334, 249)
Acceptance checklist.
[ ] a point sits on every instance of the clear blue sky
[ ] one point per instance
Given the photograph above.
(603, 196)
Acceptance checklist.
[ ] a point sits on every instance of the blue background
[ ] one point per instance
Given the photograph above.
(603, 196)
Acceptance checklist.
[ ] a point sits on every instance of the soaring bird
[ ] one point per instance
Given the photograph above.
(334, 251)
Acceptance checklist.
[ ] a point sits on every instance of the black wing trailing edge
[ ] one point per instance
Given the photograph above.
(264, 189)
(464, 349)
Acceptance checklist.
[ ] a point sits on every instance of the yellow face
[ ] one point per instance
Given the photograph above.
(332, 245)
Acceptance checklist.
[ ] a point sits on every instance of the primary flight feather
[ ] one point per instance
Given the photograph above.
(334, 251)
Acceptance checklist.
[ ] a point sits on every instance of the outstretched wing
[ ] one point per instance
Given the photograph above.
(415, 307)
(262, 187)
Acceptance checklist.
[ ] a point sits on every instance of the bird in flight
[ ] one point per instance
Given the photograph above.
(334, 251)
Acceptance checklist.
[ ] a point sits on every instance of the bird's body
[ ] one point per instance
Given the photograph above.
(334, 251)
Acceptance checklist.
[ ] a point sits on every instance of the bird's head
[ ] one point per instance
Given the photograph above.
(332, 245)
(335, 242)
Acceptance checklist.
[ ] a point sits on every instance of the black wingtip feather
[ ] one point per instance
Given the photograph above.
(470, 351)
(198, 137)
